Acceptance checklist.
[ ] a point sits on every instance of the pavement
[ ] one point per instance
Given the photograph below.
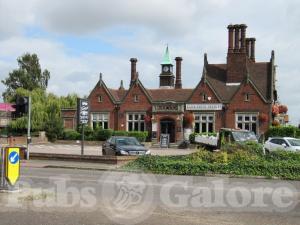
(97, 150)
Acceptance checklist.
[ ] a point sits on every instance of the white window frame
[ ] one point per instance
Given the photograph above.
(250, 122)
(140, 120)
(207, 121)
(100, 118)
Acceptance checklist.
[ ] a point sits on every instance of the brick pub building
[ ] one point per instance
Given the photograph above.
(236, 94)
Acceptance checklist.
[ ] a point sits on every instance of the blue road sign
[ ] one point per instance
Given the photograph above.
(13, 157)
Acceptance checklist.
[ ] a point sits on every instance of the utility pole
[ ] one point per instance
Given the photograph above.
(28, 127)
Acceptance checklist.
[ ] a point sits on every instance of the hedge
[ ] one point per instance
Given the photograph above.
(102, 134)
(281, 169)
(288, 131)
(71, 135)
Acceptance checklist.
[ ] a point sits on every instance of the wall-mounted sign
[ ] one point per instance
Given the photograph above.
(203, 107)
(82, 111)
(168, 107)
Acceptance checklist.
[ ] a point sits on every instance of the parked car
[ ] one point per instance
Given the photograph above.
(282, 143)
(122, 145)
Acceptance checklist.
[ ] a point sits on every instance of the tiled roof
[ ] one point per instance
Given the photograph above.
(179, 95)
(118, 95)
(259, 74)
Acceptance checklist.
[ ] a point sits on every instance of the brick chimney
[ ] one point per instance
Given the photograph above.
(252, 55)
(230, 38)
(236, 56)
(133, 70)
(243, 38)
(248, 44)
(237, 34)
(250, 48)
(178, 83)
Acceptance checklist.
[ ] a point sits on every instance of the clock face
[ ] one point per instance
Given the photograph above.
(165, 69)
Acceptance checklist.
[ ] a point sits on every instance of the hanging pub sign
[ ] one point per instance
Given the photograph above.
(82, 111)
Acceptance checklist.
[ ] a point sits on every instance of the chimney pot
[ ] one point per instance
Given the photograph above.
(243, 38)
(252, 57)
(178, 83)
(230, 38)
(236, 38)
(133, 70)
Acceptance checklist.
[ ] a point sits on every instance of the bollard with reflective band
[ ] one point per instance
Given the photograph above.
(12, 161)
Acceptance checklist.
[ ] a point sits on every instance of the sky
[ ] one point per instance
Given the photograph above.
(78, 40)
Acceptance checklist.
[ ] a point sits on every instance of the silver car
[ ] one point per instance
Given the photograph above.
(282, 143)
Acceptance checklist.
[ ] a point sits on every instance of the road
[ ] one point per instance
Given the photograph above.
(83, 197)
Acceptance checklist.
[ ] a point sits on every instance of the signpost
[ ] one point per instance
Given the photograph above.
(82, 118)
(10, 167)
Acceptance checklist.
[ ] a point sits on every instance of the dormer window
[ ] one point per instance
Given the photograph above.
(136, 98)
(100, 98)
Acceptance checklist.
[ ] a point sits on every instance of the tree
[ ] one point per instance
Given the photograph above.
(28, 76)
(45, 112)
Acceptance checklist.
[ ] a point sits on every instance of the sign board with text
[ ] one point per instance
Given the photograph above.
(203, 107)
(82, 111)
(12, 165)
(164, 140)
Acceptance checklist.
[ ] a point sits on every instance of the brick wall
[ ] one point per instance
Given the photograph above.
(106, 105)
(129, 105)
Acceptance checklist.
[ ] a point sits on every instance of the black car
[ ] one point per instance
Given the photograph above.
(119, 145)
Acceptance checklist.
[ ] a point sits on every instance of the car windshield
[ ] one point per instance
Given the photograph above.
(127, 141)
(294, 142)
(244, 136)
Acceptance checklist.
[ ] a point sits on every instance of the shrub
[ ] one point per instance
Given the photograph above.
(89, 133)
(220, 157)
(288, 131)
(71, 135)
(283, 155)
(140, 135)
(192, 137)
(201, 155)
(120, 133)
(103, 134)
(242, 156)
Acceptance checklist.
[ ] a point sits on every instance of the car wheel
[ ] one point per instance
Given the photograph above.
(267, 151)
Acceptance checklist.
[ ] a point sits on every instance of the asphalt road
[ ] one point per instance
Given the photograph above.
(82, 197)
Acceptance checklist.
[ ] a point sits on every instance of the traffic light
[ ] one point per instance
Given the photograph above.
(21, 106)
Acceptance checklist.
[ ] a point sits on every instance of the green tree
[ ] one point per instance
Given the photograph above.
(45, 113)
(28, 76)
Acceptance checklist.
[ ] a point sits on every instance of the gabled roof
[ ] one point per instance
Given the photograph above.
(101, 83)
(259, 75)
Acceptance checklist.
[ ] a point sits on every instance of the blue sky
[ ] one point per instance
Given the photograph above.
(76, 40)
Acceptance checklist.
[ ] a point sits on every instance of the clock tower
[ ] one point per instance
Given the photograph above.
(166, 77)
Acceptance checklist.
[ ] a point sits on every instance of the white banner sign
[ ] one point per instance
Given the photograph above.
(204, 107)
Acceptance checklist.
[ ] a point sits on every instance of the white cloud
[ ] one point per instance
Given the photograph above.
(191, 28)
